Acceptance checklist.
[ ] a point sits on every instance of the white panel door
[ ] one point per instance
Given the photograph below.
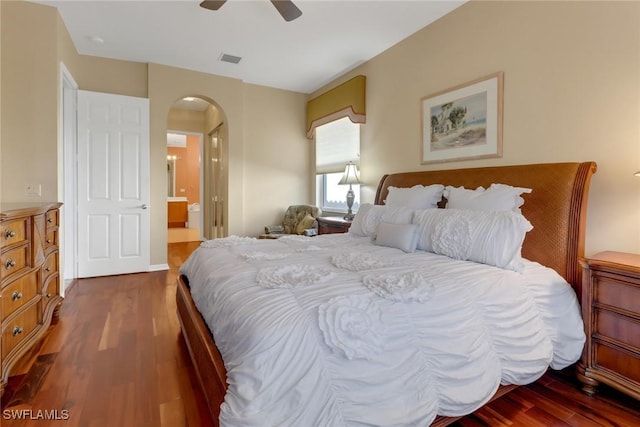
(113, 184)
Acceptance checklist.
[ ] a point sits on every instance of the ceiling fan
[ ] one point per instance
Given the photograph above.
(286, 8)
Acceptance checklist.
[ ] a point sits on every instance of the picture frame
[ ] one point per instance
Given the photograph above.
(463, 122)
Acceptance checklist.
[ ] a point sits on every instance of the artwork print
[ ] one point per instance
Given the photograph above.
(464, 122)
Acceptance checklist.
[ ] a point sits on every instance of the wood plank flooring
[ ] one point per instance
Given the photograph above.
(116, 358)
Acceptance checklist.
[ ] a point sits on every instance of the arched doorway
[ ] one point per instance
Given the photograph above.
(195, 124)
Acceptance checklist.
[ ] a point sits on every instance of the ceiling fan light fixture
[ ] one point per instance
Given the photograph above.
(286, 8)
(212, 4)
(225, 57)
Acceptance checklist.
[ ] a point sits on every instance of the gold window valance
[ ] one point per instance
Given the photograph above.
(345, 100)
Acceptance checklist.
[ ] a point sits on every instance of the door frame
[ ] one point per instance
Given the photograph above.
(200, 136)
(67, 172)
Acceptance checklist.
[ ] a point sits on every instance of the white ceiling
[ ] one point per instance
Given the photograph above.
(329, 39)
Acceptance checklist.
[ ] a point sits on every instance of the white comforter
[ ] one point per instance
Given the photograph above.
(336, 331)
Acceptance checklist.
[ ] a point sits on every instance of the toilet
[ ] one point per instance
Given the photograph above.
(193, 219)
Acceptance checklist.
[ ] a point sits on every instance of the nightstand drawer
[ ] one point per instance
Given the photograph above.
(331, 225)
(619, 327)
(617, 292)
(611, 313)
(618, 361)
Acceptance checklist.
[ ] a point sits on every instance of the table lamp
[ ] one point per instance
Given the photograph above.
(350, 177)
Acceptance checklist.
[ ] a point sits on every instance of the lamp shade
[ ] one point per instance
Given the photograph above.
(350, 175)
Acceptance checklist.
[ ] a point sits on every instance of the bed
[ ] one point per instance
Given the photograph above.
(337, 367)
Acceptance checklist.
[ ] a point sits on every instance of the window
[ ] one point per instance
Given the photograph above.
(337, 143)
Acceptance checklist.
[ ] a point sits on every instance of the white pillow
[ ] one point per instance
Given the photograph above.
(416, 197)
(399, 236)
(498, 197)
(487, 237)
(370, 216)
(356, 224)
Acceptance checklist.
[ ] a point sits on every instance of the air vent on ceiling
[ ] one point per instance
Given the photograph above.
(230, 58)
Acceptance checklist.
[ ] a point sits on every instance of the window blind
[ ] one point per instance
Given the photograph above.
(337, 143)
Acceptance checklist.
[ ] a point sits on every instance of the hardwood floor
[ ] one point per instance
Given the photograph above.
(116, 358)
(179, 235)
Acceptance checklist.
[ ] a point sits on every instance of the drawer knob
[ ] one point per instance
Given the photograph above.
(49, 220)
(17, 330)
(10, 264)
(16, 296)
(48, 295)
(48, 240)
(47, 269)
(8, 234)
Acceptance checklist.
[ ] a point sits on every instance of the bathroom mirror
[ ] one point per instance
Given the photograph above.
(176, 144)
(171, 176)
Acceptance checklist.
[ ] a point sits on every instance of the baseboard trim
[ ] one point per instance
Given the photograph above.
(158, 267)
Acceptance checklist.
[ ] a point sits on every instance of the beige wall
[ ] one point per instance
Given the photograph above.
(571, 93)
(276, 153)
(29, 101)
(187, 121)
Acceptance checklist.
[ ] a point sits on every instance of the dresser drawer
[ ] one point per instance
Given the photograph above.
(51, 239)
(52, 218)
(617, 291)
(18, 293)
(50, 288)
(14, 261)
(50, 265)
(12, 232)
(18, 329)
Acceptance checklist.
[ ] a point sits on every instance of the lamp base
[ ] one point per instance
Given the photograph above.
(350, 198)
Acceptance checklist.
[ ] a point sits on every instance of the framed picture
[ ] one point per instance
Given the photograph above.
(463, 122)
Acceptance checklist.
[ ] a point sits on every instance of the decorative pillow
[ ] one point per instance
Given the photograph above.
(498, 197)
(416, 197)
(356, 224)
(399, 236)
(306, 222)
(370, 216)
(487, 237)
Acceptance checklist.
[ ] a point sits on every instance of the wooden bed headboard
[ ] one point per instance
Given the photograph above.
(556, 207)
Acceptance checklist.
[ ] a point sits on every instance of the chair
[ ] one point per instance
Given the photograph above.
(298, 219)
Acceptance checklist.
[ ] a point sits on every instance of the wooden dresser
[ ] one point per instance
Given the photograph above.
(611, 313)
(29, 277)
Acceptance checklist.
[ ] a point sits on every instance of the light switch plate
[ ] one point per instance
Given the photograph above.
(34, 190)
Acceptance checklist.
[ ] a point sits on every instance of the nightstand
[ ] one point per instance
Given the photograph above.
(332, 224)
(611, 313)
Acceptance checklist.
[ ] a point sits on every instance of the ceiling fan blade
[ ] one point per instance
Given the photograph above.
(213, 4)
(287, 9)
